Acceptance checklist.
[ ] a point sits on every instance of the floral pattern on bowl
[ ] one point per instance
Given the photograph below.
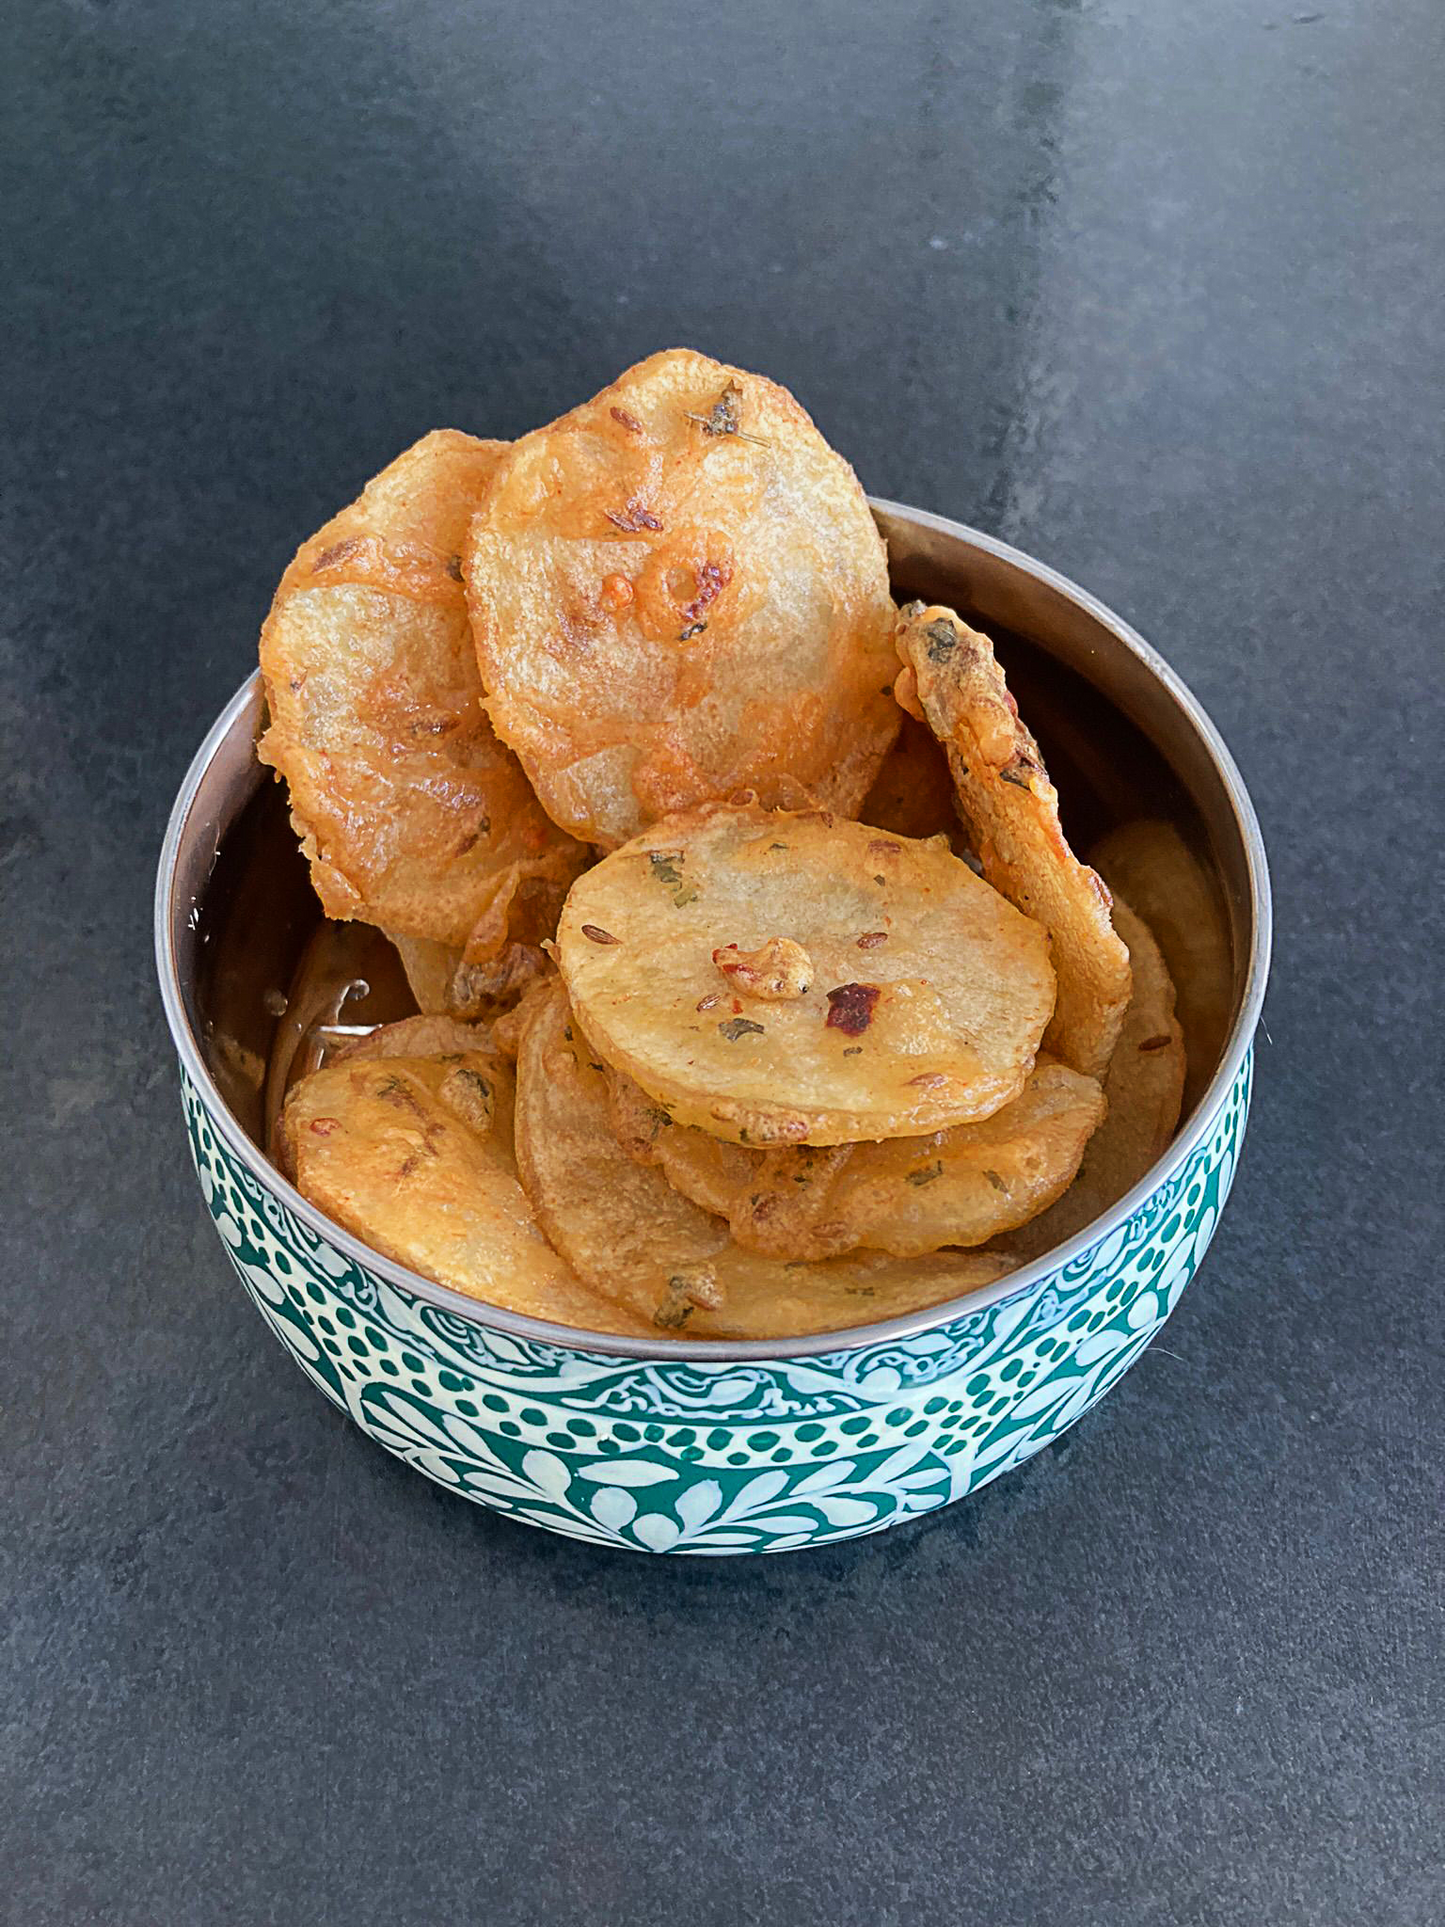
(725, 1456)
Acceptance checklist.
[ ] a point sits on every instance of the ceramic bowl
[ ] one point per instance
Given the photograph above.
(693, 1447)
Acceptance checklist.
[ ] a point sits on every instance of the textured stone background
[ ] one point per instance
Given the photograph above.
(1150, 288)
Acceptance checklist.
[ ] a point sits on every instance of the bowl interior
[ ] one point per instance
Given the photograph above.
(1122, 740)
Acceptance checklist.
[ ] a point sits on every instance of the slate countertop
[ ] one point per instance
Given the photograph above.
(1154, 292)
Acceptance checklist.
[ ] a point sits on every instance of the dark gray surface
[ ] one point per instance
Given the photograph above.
(1152, 289)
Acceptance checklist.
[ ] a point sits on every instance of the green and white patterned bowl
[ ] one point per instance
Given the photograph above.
(675, 1446)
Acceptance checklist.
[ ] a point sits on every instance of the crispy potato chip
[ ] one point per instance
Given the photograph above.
(907, 1195)
(424, 1036)
(413, 815)
(723, 1178)
(1013, 811)
(678, 592)
(445, 984)
(346, 976)
(924, 1007)
(414, 1156)
(431, 970)
(507, 1029)
(629, 1234)
(912, 794)
(1168, 887)
(1144, 1085)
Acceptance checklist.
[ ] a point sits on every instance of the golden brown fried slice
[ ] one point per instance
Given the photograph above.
(507, 1029)
(628, 1233)
(414, 1156)
(1012, 809)
(964, 1185)
(912, 794)
(1169, 888)
(906, 1196)
(431, 972)
(913, 995)
(412, 814)
(445, 984)
(678, 592)
(1144, 1086)
(438, 1037)
(732, 1180)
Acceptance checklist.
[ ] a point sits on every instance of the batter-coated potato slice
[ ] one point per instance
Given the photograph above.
(414, 1156)
(918, 1001)
(1012, 809)
(431, 971)
(1166, 885)
(732, 1180)
(678, 592)
(506, 1030)
(658, 1255)
(1144, 1086)
(439, 1037)
(412, 814)
(912, 794)
(906, 1196)
(445, 984)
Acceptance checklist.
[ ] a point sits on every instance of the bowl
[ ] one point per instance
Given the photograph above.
(667, 1445)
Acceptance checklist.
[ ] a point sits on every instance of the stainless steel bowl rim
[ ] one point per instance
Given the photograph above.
(723, 1351)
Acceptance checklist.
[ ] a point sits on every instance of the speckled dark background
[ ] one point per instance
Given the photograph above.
(1151, 288)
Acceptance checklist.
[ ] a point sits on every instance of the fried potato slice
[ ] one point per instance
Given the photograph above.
(951, 678)
(907, 1195)
(724, 1178)
(927, 996)
(1166, 885)
(1144, 1086)
(446, 985)
(912, 794)
(413, 1154)
(431, 970)
(438, 1037)
(678, 591)
(626, 1232)
(412, 814)
(506, 1030)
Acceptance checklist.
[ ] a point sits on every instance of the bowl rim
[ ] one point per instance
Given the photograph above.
(723, 1352)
